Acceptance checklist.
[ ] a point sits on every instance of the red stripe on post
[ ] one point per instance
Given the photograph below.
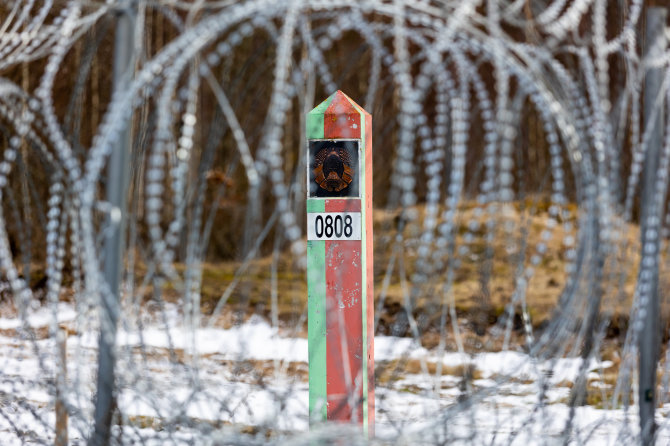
(344, 326)
(341, 119)
(344, 330)
(344, 205)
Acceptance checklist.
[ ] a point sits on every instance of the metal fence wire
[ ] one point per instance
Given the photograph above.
(153, 236)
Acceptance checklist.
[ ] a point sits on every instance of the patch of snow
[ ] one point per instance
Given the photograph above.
(41, 317)
(255, 340)
(504, 407)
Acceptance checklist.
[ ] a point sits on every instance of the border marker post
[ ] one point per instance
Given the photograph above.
(339, 263)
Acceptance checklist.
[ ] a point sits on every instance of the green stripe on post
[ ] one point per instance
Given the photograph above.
(316, 292)
(316, 322)
(315, 120)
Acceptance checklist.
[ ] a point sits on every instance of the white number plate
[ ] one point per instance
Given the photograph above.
(334, 226)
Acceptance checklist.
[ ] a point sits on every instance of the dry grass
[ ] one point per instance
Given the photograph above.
(389, 371)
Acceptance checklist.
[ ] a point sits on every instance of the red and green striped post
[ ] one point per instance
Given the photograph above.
(339, 268)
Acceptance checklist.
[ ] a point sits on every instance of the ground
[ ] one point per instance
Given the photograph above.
(253, 378)
(245, 368)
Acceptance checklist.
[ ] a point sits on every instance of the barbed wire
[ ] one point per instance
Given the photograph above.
(512, 285)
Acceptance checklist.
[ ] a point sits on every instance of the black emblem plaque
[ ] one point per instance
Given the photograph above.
(333, 169)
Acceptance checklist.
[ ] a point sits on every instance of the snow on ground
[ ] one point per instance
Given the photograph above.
(175, 377)
(41, 317)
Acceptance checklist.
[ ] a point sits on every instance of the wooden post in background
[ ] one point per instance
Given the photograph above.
(339, 268)
(61, 380)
